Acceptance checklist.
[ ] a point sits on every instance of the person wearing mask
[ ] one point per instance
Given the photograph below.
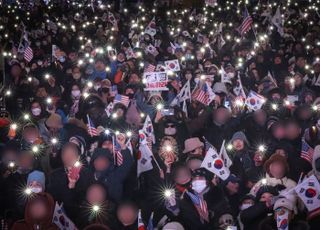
(202, 202)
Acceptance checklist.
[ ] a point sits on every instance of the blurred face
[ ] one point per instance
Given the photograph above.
(170, 129)
(35, 187)
(107, 145)
(221, 116)
(194, 164)
(279, 132)
(96, 194)
(16, 71)
(183, 176)
(26, 161)
(277, 170)
(69, 157)
(238, 144)
(30, 134)
(301, 62)
(258, 159)
(127, 215)
(101, 163)
(76, 74)
(260, 117)
(292, 131)
(38, 210)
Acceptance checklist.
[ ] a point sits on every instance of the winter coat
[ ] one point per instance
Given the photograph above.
(252, 216)
(285, 181)
(269, 223)
(217, 205)
(46, 224)
(113, 178)
(71, 198)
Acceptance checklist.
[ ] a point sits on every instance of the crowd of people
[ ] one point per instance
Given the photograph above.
(160, 115)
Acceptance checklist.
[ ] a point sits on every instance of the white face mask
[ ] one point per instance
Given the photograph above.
(199, 185)
(75, 93)
(96, 87)
(36, 189)
(36, 111)
(245, 206)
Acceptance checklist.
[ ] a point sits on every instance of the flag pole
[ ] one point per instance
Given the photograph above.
(88, 119)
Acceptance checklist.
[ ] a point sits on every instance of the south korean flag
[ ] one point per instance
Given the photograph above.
(309, 193)
(215, 164)
(172, 65)
(255, 101)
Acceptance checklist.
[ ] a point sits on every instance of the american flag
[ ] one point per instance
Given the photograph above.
(28, 53)
(117, 152)
(91, 128)
(246, 24)
(306, 151)
(200, 204)
(121, 99)
(204, 95)
(149, 68)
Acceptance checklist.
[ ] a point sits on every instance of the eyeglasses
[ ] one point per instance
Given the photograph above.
(170, 126)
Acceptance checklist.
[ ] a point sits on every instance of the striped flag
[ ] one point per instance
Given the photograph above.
(246, 23)
(121, 99)
(205, 95)
(200, 204)
(117, 152)
(306, 151)
(28, 53)
(141, 225)
(92, 130)
(149, 68)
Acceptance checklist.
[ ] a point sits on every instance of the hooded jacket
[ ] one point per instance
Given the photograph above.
(30, 224)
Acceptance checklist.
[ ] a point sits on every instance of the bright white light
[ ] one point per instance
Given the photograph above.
(159, 106)
(262, 148)
(264, 181)
(95, 208)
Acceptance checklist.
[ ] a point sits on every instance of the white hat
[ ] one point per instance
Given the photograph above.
(220, 87)
(284, 203)
(173, 226)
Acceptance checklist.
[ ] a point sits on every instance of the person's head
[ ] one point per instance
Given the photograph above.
(238, 141)
(199, 180)
(15, 70)
(54, 123)
(42, 92)
(193, 147)
(70, 154)
(221, 115)
(260, 117)
(127, 213)
(36, 108)
(134, 78)
(194, 162)
(276, 166)
(76, 73)
(246, 202)
(266, 193)
(25, 160)
(36, 181)
(277, 129)
(101, 159)
(96, 194)
(258, 158)
(30, 133)
(170, 129)
(181, 175)
(100, 66)
(301, 61)
(75, 91)
(284, 206)
(39, 208)
(292, 130)
(232, 184)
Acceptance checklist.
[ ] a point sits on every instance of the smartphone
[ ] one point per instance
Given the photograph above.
(167, 112)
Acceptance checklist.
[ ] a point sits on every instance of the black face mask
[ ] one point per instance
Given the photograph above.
(317, 164)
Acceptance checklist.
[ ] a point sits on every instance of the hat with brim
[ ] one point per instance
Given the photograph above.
(192, 144)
